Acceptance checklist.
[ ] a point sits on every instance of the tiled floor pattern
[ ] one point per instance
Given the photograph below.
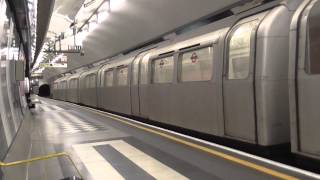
(65, 122)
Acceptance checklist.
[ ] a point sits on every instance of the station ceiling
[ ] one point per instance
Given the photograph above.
(131, 23)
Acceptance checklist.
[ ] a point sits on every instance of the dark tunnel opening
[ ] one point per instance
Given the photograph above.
(44, 90)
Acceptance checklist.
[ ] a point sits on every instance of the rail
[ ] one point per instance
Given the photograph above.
(42, 158)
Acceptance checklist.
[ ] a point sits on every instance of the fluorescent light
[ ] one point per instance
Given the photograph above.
(103, 15)
(116, 5)
(92, 25)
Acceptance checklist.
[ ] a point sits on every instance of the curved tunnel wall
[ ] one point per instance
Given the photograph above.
(12, 99)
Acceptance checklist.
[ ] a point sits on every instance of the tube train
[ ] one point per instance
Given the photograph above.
(252, 77)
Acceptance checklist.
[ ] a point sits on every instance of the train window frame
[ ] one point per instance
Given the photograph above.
(144, 76)
(252, 52)
(171, 54)
(70, 83)
(73, 81)
(308, 62)
(105, 80)
(93, 80)
(76, 82)
(195, 48)
(127, 77)
(64, 84)
(87, 79)
(136, 77)
(55, 85)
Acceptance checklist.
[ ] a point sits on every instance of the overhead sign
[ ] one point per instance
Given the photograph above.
(58, 61)
(36, 74)
(88, 3)
(56, 65)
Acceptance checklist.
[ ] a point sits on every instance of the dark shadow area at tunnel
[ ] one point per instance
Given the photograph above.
(44, 90)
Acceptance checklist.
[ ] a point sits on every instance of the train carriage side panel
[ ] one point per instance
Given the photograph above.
(304, 78)
(272, 97)
(115, 80)
(107, 82)
(184, 79)
(89, 87)
(73, 88)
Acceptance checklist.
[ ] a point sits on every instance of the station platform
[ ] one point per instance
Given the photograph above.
(107, 146)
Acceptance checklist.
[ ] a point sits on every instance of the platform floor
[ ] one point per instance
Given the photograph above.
(106, 146)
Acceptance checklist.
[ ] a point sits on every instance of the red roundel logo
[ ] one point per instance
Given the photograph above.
(194, 57)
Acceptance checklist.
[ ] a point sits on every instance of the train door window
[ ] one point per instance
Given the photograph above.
(70, 84)
(135, 71)
(144, 69)
(108, 78)
(93, 81)
(313, 41)
(88, 81)
(240, 50)
(122, 76)
(196, 65)
(64, 84)
(75, 85)
(162, 70)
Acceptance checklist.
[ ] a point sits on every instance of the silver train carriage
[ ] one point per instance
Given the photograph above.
(229, 79)
(304, 78)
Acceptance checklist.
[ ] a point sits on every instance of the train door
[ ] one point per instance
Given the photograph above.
(134, 88)
(308, 80)
(238, 82)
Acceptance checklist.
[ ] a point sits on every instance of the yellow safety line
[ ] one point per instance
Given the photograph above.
(202, 148)
(41, 158)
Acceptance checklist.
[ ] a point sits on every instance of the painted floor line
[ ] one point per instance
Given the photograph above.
(263, 160)
(152, 166)
(97, 166)
(245, 163)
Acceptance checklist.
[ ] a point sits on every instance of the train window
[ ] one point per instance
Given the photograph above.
(63, 85)
(87, 81)
(73, 83)
(144, 69)
(108, 78)
(196, 65)
(240, 51)
(313, 41)
(135, 71)
(122, 76)
(92, 81)
(162, 70)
